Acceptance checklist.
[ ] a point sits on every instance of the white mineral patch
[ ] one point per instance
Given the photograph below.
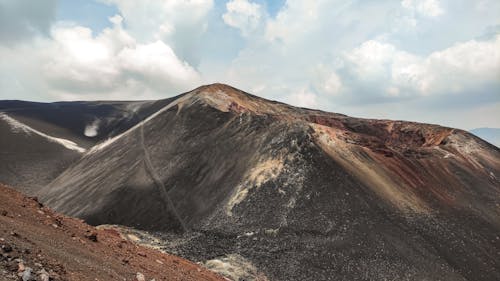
(235, 267)
(263, 172)
(20, 127)
(220, 100)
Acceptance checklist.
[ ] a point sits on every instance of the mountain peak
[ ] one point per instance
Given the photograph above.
(229, 99)
(375, 134)
(216, 87)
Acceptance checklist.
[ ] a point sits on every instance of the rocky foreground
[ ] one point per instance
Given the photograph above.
(39, 244)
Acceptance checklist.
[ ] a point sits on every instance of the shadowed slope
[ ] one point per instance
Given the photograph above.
(30, 159)
(40, 140)
(84, 123)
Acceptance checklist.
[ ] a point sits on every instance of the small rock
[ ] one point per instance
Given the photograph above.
(6, 248)
(139, 277)
(43, 275)
(27, 274)
(20, 267)
(54, 276)
(58, 221)
(159, 261)
(4, 213)
(40, 205)
(141, 254)
(92, 236)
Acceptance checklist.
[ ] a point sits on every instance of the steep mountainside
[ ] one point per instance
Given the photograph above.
(299, 194)
(84, 123)
(31, 159)
(40, 140)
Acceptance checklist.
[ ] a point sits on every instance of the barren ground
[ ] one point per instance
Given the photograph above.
(34, 236)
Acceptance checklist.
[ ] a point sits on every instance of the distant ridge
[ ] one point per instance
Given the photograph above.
(491, 135)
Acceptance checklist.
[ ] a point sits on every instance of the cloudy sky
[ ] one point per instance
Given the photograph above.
(435, 61)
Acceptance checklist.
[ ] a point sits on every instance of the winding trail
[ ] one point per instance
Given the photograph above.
(161, 187)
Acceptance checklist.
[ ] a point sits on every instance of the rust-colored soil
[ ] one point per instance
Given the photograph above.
(36, 237)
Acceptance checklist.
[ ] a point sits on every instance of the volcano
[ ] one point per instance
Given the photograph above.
(278, 192)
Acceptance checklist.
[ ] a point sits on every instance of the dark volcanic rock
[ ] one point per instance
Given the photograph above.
(297, 194)
(40, 140)
(30, 160)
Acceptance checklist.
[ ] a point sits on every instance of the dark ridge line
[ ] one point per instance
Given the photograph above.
(163, 191)
(5, 110)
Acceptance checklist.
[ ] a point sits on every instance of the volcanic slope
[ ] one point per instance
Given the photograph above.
(40, 244)
(30, 159)
(299, 194)
(41, 140)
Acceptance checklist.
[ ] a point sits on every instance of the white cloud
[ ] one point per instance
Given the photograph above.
(456, 69)
(325, 54)
(326, 81)
(331, 54)
(178, 23)
(156, 62)
(461, 67)
(156, 19)
(243, 15)
(74, 64)
(303, 98)
(370, 60)
(294, 20)
(23, 19)
(429, 8)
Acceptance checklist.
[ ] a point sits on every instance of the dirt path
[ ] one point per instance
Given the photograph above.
(161, 187)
